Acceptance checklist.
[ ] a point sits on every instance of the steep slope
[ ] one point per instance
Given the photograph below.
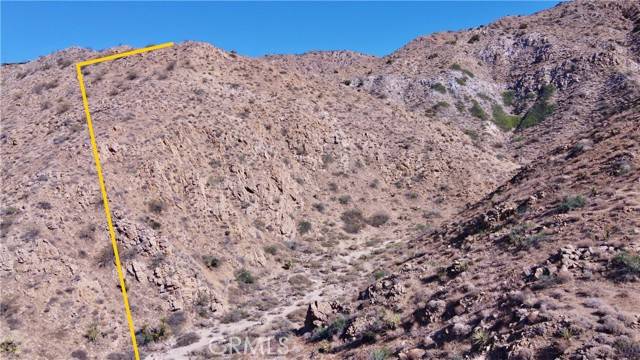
(538, 269)
(221, 171)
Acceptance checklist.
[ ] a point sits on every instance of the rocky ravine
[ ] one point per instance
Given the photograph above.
(472, 194)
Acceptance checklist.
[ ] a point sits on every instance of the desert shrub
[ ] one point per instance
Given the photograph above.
(626, 265)
(378, 219)
(336, 328)
(271, 249)
(132, 75)
(541, 109)
(9, 347)
(440, 105)
(79, 354)
(411, 195)
(353, 221)
(473, 39)
(211, 261)
(518, 238)
(379, 274)
(468, 73)
(300, 281)
(462, 81)
(391, 319)
(456, 66)
(92, 333)
(472, 134)
(176, 321)
(156, 206)
(187, 339)
(62, 108)
(477, 111)
(244, 276)
(147, 334)
(234, 316)
(319, 207)
(503, 120)
(439, 88)
(304, 227)
(480, 338)
(571, 203)
(380, 354)
(508, 97)
(344, 199)
(627, 348)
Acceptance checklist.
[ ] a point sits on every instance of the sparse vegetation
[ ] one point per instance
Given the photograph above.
(480, 338)
(92, 333)
(353, 221)
(244, 276)
(344, 199)
(271, 249)
(626, 265)
(439, 88)
(147, 334)
(379, 274)
(503, 120)
(9, 347)
(473, 39)
(211, 261)
(571, 203)
(462, 81)
(380, 354)
(378, 219)
(507, 97)
(541, 109)
(477, 111)
(471, 134)
(304, 227)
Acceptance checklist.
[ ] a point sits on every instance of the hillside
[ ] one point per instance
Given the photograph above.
(475, 193)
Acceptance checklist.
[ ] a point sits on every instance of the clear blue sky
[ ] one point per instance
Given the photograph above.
(31, 29)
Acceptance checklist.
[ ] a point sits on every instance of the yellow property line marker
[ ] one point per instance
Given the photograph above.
(103, 188)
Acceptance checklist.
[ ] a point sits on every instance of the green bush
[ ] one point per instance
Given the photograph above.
(472, 134)
(473, 39)
(244, 276)
(304, 227)
(379, 274)
(92, 333)
(461, 81)
(456, 66)
(503, 120)
(378, 219)
(627, 263)
(271, 249)
(147, 334)
(211, 262)
(541, 109)
(508, 97)
(571, 203)
(353, 221)
(439, 88)
(380, 354)
(344, 199)
(9, 347)
(477, 111)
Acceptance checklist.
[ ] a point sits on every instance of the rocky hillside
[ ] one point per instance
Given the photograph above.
(472, 194)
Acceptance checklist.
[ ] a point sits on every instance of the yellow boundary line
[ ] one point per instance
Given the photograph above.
(103, 188)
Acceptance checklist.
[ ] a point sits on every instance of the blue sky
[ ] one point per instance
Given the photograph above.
(31, 29)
